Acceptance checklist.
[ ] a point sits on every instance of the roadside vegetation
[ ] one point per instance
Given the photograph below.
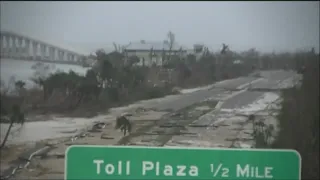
(299, 118)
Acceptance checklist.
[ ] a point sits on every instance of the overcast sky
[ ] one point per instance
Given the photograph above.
(86, 26)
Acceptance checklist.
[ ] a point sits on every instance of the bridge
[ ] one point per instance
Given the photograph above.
(17, 46)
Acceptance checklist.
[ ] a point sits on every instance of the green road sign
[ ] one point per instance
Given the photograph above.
(125, 162)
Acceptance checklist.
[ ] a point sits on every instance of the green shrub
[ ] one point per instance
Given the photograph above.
(299, 120)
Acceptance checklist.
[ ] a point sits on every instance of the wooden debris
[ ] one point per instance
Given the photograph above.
(106, 137)
(74, 143)
(198, 125)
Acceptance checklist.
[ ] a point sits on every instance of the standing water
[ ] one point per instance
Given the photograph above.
(22, 70)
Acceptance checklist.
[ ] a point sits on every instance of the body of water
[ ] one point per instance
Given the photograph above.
(22, 70)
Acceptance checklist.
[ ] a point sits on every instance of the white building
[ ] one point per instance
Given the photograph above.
(150, 53)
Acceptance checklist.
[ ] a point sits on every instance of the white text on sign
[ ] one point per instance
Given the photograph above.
(158, 169)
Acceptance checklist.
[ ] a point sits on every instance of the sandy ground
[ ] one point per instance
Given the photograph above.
(52, 167)
(56, 127)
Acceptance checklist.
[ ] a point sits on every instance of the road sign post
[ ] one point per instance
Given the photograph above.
(123, 162)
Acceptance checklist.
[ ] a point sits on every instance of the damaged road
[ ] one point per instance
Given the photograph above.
(215, 117)
(169, 126)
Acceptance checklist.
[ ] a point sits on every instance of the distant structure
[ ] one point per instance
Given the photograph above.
(17, 46)
(155, 53)
(152, 53)
(199, 50)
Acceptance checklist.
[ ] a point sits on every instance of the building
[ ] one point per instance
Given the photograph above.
(152, 53)
(198, 51)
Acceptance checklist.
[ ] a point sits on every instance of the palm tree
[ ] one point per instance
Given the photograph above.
(20, 84)
(20, 87)
(171, 38)
(224, 48)
(17, 117)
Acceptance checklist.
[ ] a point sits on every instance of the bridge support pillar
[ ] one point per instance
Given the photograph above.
(68, 57)
(27, 48)
(55, 53)
(34, 50)
(1, 39)
(51, 53)
(72, 57)
(43, 51)
(6, 46)
(2, 44)
(14, 47)
(76, 58)
(19, 48)
(61, 55)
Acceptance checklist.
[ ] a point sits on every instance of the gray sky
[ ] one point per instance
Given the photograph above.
(86, 26)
